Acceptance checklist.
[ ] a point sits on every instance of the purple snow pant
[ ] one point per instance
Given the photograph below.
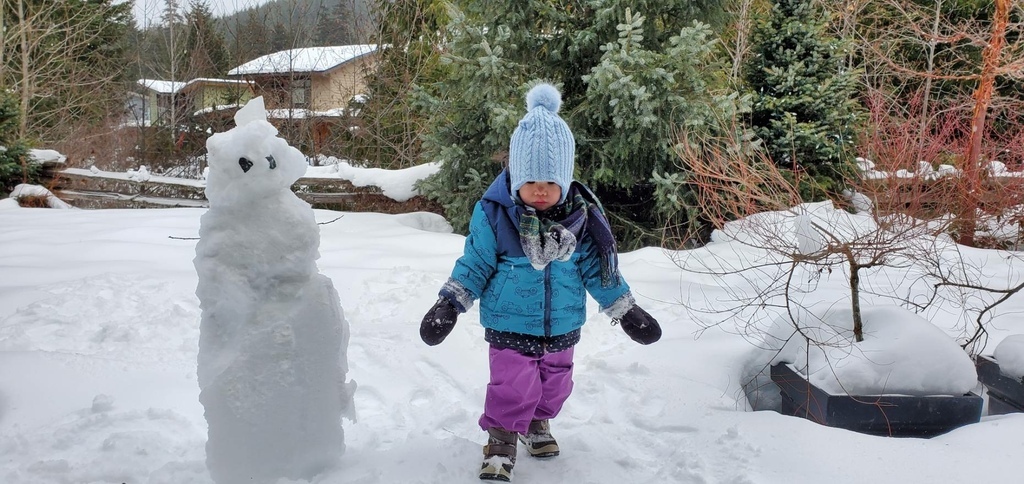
(525, 388)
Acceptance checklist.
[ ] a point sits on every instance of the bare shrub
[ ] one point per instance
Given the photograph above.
(34, 201)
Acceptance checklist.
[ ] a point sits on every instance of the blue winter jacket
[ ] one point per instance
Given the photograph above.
(515, 297)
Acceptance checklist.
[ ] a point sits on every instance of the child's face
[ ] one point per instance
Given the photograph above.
(540, 195)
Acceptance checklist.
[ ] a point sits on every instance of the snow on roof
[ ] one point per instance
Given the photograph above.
(162, 87)
(307, 59)
(219, 107)
(213, 80)
(171, 87)
(299, 113)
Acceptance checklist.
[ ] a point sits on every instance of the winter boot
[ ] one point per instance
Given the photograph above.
(499, 455)
(538, 440)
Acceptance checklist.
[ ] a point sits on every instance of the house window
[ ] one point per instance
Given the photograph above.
(300, 93)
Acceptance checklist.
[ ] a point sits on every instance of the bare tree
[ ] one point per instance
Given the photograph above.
(387, 127)
(737, 37)
(956, 52)
(59, 58)
(751, 202)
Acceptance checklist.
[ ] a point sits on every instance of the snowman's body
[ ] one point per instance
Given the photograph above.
(272, 342)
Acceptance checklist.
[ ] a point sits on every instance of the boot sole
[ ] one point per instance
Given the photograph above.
(495, 477)
(493, 469)
(490, 473)
(542, 454)
(547, 450)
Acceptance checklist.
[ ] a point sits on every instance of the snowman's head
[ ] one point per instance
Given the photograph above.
(250, 162)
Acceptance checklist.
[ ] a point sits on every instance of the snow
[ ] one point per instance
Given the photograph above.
(132, 174)
(808, 240)
(1010, 356)
(46, 156)
(140, 175)
(100, 336)
(395, 184)
(795, 227)
(399, 185)
(902, 353)
(172, 87)
(273, 337)
(306, 59)
(860, 202)
(117, 318)
(25, 190)
(993, 168)
(161, 86)
(301, 113)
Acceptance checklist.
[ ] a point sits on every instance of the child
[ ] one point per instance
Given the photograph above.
(538, 242)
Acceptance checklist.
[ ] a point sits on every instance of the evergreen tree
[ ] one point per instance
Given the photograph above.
(253, 38)
(388, 126)
(14, 168)
(281, 38)
(65, 61)
(334, 26)
(208, 57)
(629, 80)
(162, 55)
(174, 55)
(805, 108)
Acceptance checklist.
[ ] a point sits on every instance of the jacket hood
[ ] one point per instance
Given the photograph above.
(500, 190)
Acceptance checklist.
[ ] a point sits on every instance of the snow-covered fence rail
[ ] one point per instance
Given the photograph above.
(138, 189)
(938, 196)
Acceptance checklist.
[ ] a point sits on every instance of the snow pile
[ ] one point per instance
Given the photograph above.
(399, 185)
(46, 156)
(796, 229)
(140, 175)
(994, 168)
(273, 339)
(902, 353)
(1010, 355)
(25, 190)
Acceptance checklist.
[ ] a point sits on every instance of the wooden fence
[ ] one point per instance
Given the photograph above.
(84, 189)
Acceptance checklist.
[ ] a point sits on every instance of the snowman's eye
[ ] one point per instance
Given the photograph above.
(273, 162)
(245, 164)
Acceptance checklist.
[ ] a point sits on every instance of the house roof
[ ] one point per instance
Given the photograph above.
(162, 87)
(307, 59)
(172, 87)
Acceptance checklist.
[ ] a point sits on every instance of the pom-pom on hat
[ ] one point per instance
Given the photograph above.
(542, 146)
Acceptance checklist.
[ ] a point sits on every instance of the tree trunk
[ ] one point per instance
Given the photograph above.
(26, 84)
(972, 171)
(3, 45)
(858, 322)
(928, 78)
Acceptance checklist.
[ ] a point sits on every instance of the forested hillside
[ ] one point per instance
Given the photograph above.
(188, 34)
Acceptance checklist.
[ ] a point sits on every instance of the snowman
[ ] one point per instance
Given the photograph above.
(273, 337)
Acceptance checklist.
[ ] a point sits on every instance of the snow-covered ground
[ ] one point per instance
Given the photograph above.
(99, 328)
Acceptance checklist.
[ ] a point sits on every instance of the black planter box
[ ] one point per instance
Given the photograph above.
(887, 415)
(1005, 394)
